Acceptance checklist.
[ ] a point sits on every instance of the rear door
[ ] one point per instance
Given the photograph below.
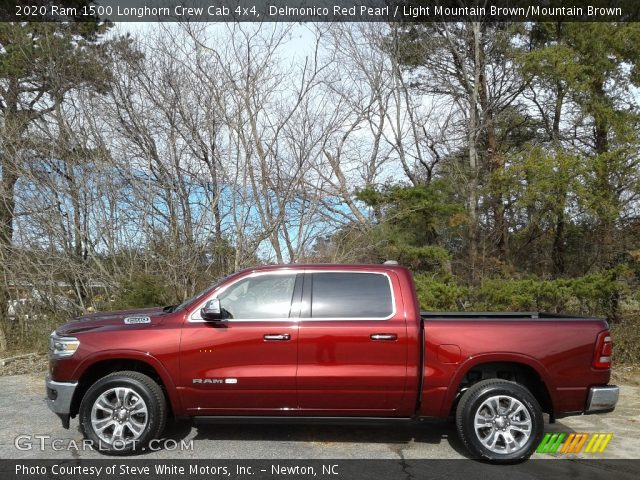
(352, 347)
(246, 364)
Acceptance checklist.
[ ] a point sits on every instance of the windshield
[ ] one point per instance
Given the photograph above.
(175, 308)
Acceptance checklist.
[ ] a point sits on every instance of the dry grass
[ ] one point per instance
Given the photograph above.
(626, 342)
(36, 364)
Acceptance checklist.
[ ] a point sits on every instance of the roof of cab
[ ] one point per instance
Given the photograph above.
(327, 266)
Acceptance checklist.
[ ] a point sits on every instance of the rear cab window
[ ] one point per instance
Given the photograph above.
(351, 295)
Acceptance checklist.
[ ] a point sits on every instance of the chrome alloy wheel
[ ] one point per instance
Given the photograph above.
(119, 416)
(503, 424)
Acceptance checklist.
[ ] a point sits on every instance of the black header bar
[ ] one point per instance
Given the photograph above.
(329, 469)
(322, 10)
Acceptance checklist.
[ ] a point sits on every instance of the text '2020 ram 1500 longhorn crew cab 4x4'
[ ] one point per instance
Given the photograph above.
(322, 343)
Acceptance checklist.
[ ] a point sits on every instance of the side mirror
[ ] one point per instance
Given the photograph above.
(211, 310)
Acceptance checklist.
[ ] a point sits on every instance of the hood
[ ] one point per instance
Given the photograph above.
(139, 317)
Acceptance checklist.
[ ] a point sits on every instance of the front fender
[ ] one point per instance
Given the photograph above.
(140, 356)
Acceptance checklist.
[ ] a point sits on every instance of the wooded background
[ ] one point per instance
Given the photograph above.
(500, 162)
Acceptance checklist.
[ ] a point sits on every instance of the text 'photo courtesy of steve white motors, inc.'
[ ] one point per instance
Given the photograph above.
(319, 239)
(170, 470)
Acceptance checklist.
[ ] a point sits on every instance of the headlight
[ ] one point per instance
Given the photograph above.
(61, 347)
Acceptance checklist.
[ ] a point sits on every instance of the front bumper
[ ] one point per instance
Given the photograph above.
(59, 397)
(602, 399)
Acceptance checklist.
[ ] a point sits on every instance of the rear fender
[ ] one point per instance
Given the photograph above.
(507, 357)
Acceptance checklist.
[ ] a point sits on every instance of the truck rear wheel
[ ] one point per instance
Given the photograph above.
(500, 421)
(123, 412)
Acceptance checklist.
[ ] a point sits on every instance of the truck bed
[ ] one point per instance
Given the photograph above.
(556, 349)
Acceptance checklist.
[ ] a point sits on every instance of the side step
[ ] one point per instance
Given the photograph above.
(266, 420)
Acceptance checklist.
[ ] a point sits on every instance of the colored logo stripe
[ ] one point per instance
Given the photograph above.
(543, 443)
(568, 443)
(574, 443)
(578, 443)
(553, 448)
(598, 443)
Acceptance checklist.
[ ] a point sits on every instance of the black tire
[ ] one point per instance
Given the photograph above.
(145, 389)
(472, 401)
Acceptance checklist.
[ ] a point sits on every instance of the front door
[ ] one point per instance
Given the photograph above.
(245, 364)
(352, 345)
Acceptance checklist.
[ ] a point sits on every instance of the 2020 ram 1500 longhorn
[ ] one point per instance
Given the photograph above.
(332, 341)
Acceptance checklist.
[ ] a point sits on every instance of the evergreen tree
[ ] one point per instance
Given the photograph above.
(40, 64)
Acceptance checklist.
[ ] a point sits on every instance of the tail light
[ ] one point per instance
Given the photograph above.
(604, 349)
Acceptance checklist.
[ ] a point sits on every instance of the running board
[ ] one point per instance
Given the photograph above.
(265, 420)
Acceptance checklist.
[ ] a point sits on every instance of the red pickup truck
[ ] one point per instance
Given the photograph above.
(326, 343)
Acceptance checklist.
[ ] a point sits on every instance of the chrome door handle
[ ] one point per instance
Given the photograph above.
(383, 336)
(277, 337)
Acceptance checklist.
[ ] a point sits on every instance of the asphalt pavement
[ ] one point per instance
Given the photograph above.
(29, 430)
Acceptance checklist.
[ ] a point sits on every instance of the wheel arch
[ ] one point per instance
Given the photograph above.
(97, 367)
(521, 369)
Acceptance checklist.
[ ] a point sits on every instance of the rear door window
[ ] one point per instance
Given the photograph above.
(350, 295)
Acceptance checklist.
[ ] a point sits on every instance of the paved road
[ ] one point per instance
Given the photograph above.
(23, 412)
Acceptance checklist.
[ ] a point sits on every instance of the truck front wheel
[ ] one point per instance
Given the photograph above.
(122, 412)
(499, 421)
